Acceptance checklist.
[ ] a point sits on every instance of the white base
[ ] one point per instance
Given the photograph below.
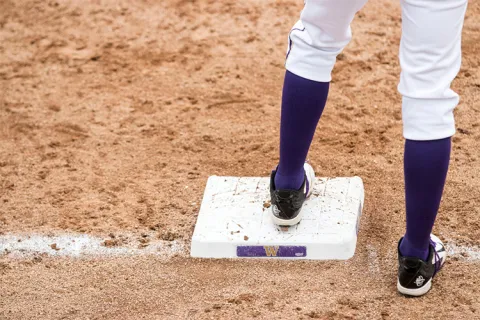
(235, 221)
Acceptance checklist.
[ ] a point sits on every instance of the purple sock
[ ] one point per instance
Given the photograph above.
(425, 166)
(303, 102)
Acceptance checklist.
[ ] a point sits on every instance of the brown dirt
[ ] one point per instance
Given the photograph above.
(114, 113)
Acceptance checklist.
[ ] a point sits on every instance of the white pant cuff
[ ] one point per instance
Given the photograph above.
(428, 119)
(314, 73)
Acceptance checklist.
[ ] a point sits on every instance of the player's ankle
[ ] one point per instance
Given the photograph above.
(409, 249)
(291, 182)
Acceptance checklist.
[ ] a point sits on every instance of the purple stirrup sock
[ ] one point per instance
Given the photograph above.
(303, 102)
(425, 166)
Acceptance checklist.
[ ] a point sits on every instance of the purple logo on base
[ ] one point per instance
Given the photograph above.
(272, 251)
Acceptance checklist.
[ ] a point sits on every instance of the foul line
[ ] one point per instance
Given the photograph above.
(20, 246)
(83, 245)
(468, 253)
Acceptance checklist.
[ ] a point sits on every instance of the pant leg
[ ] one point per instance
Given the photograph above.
(430, 57)
(319, 36)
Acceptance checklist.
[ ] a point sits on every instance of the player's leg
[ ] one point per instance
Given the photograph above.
(430, 56)
(314, 42)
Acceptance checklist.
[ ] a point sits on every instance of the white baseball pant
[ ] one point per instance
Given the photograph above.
(430, 56)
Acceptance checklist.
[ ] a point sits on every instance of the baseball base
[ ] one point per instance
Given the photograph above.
(235, 222)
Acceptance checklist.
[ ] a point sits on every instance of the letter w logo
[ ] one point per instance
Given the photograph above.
(271, 251)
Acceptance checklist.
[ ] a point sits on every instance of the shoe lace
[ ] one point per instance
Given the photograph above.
(438, 262)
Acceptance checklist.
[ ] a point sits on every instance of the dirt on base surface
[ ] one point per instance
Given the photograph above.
(114, 113)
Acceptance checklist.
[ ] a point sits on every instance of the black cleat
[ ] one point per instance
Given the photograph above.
(415, 275)
(287, 204)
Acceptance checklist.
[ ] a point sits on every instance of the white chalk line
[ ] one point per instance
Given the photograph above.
(83, 245)
(468, 253)
(373, 264)
(20, 246)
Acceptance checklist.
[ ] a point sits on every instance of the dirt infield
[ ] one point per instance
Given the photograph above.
(114, 113)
